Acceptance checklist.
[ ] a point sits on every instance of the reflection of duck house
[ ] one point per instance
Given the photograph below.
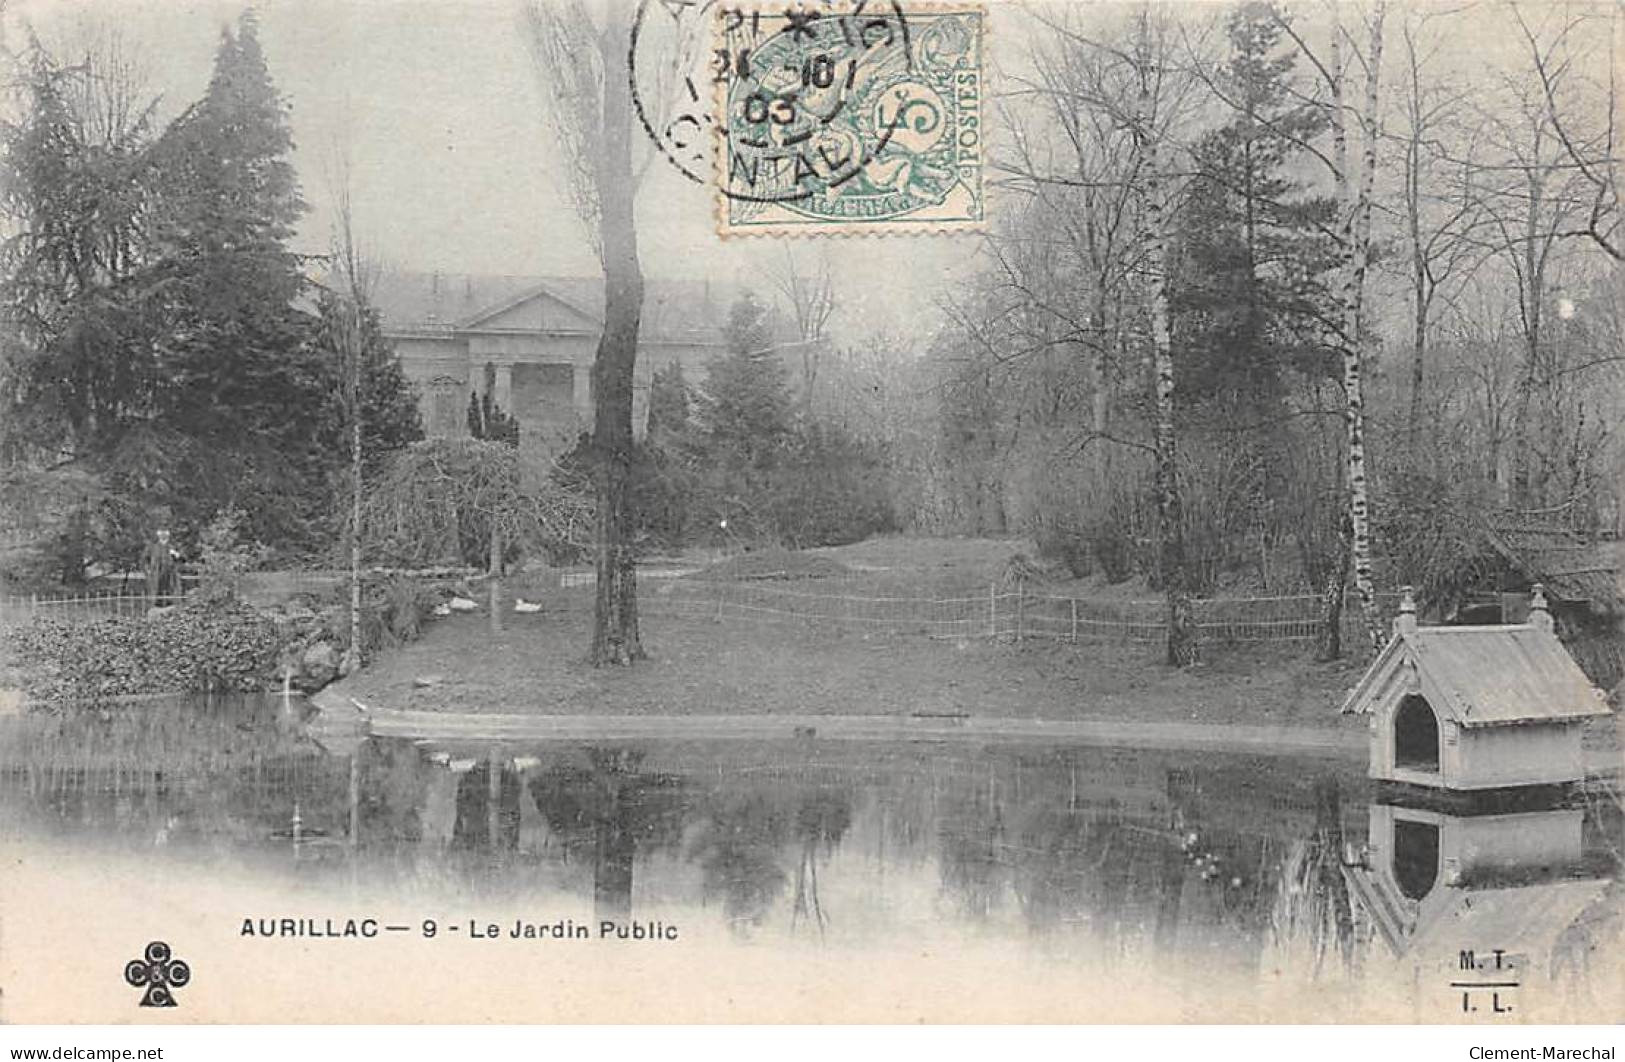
(1466, 708)
(1435, 884)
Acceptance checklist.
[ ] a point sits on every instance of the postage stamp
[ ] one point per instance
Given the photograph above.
(865, 120)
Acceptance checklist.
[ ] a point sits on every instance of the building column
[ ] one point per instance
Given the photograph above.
(581, 392)
(503, 388)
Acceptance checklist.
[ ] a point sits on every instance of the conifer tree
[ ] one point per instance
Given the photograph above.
(390, 418)
(241, 382)
(487, 420)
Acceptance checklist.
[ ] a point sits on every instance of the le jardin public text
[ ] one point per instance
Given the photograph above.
(649, 929)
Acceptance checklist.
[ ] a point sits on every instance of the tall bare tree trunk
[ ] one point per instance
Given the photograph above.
(1100, 398)
(1356, 530)
(615, 638)
(1353, 351)
(1182, 643)
(351, 309)
(494, 574)
(1419, 272)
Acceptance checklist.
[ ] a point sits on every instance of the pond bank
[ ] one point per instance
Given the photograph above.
(536, 666)
(707, 673)
(479, 729)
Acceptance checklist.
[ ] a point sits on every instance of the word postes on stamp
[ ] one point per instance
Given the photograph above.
(831, 121)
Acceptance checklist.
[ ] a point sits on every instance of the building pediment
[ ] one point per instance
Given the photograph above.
(537, 310)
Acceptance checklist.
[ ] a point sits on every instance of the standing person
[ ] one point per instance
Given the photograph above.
(163, 570)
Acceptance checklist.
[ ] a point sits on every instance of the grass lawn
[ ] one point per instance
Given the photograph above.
(700, 666)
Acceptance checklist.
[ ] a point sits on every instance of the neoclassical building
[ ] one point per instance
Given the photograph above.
(530, 342)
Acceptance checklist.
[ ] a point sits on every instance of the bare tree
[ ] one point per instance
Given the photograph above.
(1080, 286)
(1354, 186)
(1439, 222)
(809, 291)
(1077, 169)
(1357, 248)
(585, 65)
(354, 283)
(1182, 643)
(1567, 95)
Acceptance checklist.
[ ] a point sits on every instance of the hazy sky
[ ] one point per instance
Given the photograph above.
(454, 167)
(452, 164)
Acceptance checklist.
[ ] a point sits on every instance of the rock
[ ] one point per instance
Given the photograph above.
(441, 610)
(159, 611)
(297, 613)
(521, 605)
(428, 681)
(319, 665)
(462, 604)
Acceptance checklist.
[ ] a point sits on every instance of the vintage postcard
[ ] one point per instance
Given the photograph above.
(694, 511)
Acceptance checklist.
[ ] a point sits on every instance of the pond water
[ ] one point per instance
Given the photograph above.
(1220, 877)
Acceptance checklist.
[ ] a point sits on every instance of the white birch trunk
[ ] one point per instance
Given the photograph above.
(1358, 232)
(1182, 643)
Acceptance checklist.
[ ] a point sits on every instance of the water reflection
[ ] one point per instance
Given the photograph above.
(610, 810)
(1501, 902)
(1262, 868)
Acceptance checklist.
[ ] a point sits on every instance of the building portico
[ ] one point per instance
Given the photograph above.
(530, 344)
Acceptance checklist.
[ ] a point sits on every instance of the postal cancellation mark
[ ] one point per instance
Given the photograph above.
(868, 119)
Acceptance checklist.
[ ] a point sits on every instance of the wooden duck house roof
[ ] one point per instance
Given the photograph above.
(1481, 676)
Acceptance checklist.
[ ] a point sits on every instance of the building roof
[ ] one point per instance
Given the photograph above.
(1482, 676)
(1570, 568)
(673, 310)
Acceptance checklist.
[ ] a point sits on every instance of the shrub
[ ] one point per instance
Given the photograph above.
(392, 612)
(198, 647)
(224, 555)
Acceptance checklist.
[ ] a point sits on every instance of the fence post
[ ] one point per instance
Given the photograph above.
(1074, 602)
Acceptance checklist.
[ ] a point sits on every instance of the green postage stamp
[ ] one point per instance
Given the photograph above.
(849, 118)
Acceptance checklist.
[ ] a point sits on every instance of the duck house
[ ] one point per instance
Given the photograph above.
(1475, 708)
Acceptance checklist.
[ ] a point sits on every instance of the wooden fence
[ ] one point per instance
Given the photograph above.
(1000, 613)
(1009, 614)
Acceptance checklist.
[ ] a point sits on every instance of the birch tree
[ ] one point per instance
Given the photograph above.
(1354, 184)
(1357, 248)
(1182, 648)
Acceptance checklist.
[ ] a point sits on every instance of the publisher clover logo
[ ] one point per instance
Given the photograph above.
(159, 973)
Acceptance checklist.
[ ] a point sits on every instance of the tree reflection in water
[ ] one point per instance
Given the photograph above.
(395, 782)
(614, 810)
(1311, 931)
(736, 845)
(821, 821)
(1236, 862)
(971, 839)
(473, 829)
